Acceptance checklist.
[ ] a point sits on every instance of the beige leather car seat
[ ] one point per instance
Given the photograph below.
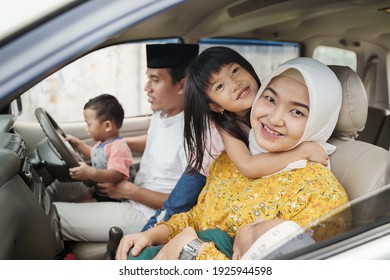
(359, 166)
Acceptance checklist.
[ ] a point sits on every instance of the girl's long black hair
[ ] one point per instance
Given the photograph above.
(196, 102)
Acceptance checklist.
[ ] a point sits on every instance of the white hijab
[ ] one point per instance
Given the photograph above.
(325, 102)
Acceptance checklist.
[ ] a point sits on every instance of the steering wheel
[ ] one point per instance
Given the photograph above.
(57, 137)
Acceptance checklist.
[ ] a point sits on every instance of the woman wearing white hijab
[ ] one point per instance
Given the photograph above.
(299, 101)
(324, 99)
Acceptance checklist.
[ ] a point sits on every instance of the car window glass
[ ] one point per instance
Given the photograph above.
(335, 56)
(264, 56)
(372, 219)
(118, 70)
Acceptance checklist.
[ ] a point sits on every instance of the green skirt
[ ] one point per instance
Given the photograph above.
(221, 239)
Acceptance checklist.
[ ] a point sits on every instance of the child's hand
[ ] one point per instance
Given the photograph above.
(315, 152)
(82, 172)
(74, 141)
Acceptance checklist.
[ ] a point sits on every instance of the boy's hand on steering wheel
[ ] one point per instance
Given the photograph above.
(81, 172)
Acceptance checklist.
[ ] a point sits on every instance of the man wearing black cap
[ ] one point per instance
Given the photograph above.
(163, 160)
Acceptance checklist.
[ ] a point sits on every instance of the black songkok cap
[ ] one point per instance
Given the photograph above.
(170, 55)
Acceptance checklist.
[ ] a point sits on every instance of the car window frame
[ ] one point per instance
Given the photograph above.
(50, 45)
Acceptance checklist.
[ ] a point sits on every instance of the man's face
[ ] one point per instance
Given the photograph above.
(163, 95)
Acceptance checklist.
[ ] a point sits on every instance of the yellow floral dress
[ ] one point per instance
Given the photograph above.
(229, 200)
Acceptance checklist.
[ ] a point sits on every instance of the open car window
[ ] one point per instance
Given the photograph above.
(118, 70)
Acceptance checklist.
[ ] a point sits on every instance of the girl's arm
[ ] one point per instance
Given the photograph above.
(268, 163)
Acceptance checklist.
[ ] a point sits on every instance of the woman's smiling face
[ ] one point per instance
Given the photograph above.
(279, 116)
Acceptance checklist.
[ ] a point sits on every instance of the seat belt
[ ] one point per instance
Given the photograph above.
(387, 170)
(369, 79)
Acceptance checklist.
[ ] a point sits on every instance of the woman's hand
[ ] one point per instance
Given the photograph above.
(133, 243)
(172, 249)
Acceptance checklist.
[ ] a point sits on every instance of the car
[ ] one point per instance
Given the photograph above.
(57, 59)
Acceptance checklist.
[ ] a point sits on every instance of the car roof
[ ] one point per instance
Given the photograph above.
(89, 25)
(285, 20)
(297, 21)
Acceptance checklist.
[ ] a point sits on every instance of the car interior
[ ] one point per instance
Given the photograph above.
(33, 154)
(352, 154)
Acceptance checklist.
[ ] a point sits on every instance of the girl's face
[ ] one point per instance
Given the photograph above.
(232, 89)
(279, 116)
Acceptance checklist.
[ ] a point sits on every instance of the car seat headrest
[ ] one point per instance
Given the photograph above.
(354, 107)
